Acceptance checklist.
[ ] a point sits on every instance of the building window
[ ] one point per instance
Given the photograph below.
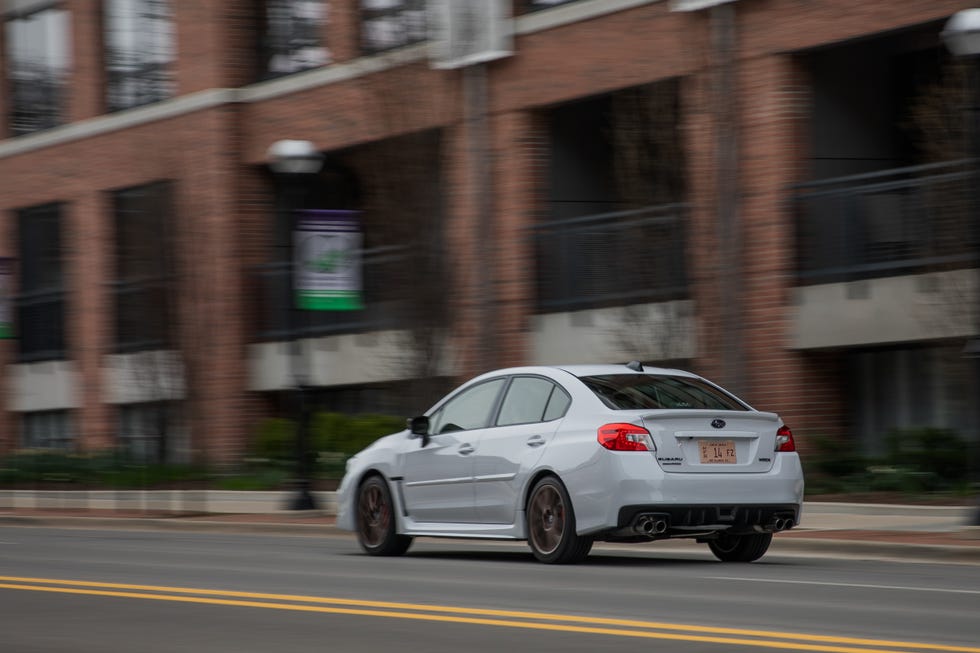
(48, 429)
(535, 5)
(151, 432)
(139, 44)
(38, 51)
(292, 36)
(919, 387)
(389, 24)
(144, 278)
(40, 306)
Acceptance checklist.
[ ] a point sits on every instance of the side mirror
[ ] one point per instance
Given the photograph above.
(419, 426)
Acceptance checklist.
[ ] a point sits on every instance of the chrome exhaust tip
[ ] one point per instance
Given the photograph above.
(649, 525)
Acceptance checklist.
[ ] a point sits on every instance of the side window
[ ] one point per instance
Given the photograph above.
(557, 405)
(468, 410)
(527, 401)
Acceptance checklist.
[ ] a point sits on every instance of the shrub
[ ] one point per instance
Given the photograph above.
(96, 469)
(940, 456)
(333, 436)
(275, 439)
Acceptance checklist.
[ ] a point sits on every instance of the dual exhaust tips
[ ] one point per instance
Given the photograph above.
(650, 525)
(781, 524)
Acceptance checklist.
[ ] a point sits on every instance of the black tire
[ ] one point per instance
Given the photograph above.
(740, 548)
(551, 525)
(376, 520)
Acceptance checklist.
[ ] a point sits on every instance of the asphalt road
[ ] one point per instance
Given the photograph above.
(80, 591)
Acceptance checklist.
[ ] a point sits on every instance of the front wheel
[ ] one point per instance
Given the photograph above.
(376, 520)
(551, 525)
(740, 548)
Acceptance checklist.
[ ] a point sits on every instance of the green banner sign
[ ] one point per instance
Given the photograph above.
(327, 261)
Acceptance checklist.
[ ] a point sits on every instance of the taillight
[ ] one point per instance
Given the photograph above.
(784, 439)
(625, 437)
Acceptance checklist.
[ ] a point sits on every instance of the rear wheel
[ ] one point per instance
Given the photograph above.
(551, 525)
(740, 548)
(376, 520)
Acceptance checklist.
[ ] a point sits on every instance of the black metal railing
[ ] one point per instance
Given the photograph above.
(40, 325)
(609, 259)
(887, 223)
(386, 281)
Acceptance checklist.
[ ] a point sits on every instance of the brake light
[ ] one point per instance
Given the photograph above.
(625, 437)
(784, 439)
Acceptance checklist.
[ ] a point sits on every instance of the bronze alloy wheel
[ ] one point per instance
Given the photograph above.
(551, 525)
(546, 517)
(375, 520)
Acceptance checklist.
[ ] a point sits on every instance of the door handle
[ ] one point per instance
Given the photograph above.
(535, 441)
(466, 449)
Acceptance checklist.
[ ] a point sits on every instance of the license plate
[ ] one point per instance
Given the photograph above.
(717, 452)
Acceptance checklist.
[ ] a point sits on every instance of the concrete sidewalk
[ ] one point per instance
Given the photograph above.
(945, 533)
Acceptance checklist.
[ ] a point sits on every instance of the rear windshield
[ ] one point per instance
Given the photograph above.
(641, 391)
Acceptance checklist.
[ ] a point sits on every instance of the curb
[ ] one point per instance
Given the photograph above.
(866, 549)
(168, 524)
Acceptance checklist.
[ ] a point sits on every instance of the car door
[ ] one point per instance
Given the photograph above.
(527, 420)
(437, 476)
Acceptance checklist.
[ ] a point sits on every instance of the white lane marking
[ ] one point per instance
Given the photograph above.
(859, 585)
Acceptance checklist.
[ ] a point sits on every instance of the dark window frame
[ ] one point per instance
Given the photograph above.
(67, 440)
(144, 274)
(40, 303)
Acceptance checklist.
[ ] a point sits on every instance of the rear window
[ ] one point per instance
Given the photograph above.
(643, 391)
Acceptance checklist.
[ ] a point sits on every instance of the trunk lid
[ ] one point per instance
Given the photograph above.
(713, 441)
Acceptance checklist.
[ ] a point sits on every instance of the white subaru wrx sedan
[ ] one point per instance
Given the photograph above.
(565, 456)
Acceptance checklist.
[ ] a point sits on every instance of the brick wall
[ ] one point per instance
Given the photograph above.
(520, 157)
(216, 157)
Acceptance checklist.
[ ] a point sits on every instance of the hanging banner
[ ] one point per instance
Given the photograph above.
(327, 261)
(6, 303)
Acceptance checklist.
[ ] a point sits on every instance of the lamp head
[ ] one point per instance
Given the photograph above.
(292, 157)
(962, 33)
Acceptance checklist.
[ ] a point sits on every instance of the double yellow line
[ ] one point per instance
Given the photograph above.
(483, 617)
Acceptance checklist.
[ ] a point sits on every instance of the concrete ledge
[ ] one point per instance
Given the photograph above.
(897, 509)
(196, 501)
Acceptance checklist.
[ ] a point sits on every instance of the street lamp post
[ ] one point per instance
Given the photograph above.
(962, 37)
(294, 163)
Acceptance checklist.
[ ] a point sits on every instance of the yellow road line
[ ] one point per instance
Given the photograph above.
(386, 609)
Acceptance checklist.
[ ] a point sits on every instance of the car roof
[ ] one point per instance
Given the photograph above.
(580, 370)
(596, 370)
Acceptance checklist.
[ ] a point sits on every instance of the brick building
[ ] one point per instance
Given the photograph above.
(772, 193)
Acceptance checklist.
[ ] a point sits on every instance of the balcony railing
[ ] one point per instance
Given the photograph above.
(618, 258)
(887, 223)
(386, 288)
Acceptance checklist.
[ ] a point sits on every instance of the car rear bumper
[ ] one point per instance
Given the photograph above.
(689, 502)
(692, 520)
